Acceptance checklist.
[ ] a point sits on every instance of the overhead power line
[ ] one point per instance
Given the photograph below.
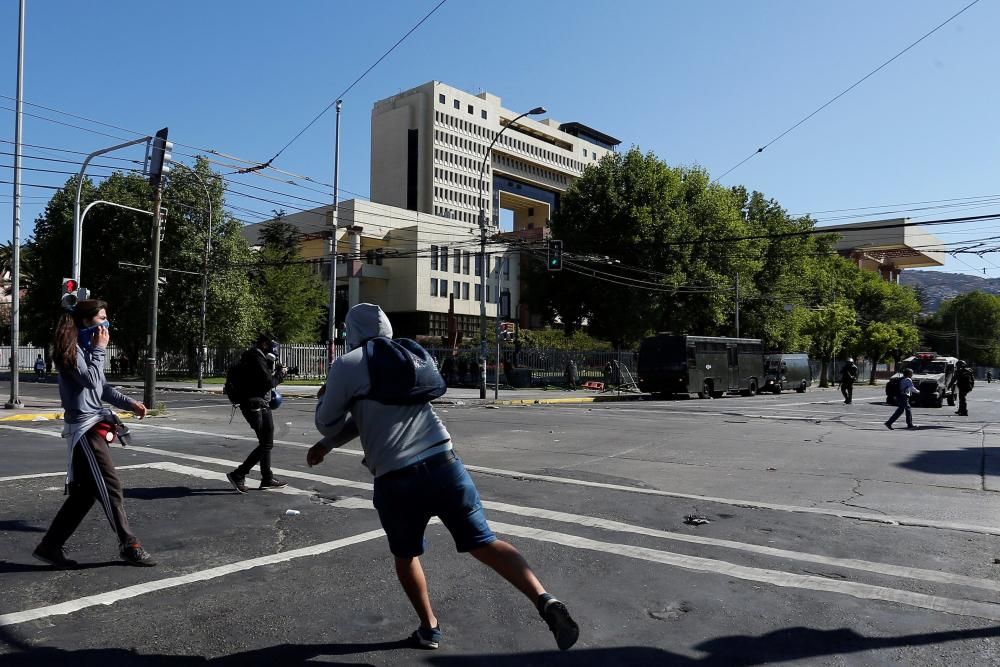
(345, 91)
(848, 89)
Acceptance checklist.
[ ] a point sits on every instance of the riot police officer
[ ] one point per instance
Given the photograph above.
(848, 374)
(965, 380)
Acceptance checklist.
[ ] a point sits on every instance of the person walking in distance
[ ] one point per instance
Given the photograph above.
(39, 369)
(81, 342)
(903, 400)
(848, 375)
(381, 391)
(257, 374)
(965, 380)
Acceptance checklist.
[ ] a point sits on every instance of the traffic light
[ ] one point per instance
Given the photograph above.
(159, 158)
(69, 298)
(554, 255)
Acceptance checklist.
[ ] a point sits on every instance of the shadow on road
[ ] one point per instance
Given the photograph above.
(19, 526)
(8, 567)
(165, 492)
(735, 650)
(965, 461)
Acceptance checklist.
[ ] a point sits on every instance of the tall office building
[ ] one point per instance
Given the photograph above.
(428, 145)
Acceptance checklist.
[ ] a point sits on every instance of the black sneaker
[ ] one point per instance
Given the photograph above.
(238, 481)
(888, 426)
(429, 638)
(54, 556)
(134, 554)
(272, 483)
(562, 625)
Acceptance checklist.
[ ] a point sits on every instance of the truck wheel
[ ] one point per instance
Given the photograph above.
(751, 390)
(938, 402)
(802, 388)
(706, 390)
(951, 399)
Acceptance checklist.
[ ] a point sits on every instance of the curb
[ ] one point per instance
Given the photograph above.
(570, 401)
(33, 417)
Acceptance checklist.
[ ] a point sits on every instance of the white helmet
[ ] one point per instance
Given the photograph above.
(850, 360)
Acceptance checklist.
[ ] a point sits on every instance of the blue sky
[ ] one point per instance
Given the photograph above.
(697, 83)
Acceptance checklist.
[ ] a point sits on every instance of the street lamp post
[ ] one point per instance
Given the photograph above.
(204, 274)
(15, 264)
(483, 264)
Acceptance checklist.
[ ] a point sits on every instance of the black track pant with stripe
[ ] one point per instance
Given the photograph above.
(94, 478)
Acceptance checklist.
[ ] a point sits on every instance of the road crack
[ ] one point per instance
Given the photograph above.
(855, 494)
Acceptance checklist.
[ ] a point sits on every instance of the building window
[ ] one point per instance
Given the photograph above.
(488, 300)
(457, 259)
(444, 258)
(584, 152)
(434, 257)
(456, 289)
(434, 286)
(465, 263)
(471, 110)
(479, 292)
(441, 98)
(484, 114)
(496, 265)
(479, 265)
(506, 269)
(458, 105)
(465, 291)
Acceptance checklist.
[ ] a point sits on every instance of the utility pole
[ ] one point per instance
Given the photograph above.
(15, 272)
(737, 305)
(956, 335)
(158, 157)
(331, 325)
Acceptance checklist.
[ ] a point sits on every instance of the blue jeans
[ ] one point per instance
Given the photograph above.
(904, 406)
(406, 505)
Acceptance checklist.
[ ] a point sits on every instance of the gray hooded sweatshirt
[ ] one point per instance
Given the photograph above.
(392, 436)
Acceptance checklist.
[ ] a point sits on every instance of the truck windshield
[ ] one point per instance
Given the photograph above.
(927, 367)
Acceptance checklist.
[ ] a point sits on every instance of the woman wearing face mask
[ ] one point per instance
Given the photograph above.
(81, 342)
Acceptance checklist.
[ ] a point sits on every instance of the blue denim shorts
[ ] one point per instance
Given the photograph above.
(406, 504)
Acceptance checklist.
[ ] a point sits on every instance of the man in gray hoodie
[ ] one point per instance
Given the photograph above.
(417, 476)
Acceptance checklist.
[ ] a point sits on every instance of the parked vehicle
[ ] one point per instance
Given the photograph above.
(931, 376)
(706, 365)
(786, 371)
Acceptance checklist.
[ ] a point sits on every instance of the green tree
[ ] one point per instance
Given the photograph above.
(293, 297)
(636, 209)
(976, 317)
(112, 236)
(829, 327)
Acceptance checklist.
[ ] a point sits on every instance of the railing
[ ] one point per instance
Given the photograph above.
(310, 360)
(26, 356)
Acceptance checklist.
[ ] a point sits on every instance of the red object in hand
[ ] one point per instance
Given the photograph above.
(105, 431)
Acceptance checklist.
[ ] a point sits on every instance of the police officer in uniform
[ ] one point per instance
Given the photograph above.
(847, 377)
(965, 380)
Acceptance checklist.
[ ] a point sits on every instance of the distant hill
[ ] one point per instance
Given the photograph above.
(936, 286)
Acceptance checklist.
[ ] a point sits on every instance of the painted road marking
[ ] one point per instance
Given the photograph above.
(128, 592)
(936, 603)
(514, 474)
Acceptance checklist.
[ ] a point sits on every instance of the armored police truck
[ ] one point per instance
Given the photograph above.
(707, 365)
(786, 371)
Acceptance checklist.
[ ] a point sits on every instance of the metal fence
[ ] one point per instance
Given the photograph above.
(26, 356)
(532, 367)
(309, 360)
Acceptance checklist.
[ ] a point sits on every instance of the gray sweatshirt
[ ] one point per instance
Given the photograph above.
(83, 390)
(392, 436)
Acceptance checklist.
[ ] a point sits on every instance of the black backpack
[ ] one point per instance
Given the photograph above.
(401, 372)
(235, 387)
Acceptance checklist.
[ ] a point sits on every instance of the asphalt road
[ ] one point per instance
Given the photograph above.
(829, 540)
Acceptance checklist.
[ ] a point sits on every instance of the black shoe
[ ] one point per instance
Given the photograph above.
(888, 426)
(426, 638)
(272, 483)
(238, 481)
(562, 625)
(54, 556)
(134, 554)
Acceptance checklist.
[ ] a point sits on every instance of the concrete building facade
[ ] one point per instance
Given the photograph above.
(412, 264)
(428, 145)
(888, 246)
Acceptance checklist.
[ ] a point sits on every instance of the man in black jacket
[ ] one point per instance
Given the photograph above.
(848, 375)
(259, 374)
(966, 380)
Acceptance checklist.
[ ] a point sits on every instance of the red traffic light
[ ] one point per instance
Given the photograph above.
(69, 285)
